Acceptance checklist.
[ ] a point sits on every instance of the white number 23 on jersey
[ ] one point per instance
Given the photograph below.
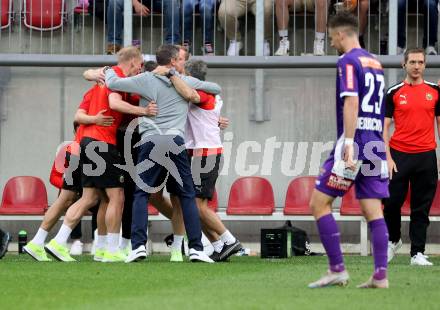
(370, 83)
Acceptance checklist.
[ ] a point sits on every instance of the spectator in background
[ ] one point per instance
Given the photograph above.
(206, 9)
(4, 242)
(231, 10)
(115, 20)
(430, 26)
(284, 7)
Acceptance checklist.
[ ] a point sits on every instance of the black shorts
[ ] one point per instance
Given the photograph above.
(205, 171)
(72, 174)
(100, 170)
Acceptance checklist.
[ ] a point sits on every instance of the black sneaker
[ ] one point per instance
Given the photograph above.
(215, 256)
(229, 250)
(4, 242)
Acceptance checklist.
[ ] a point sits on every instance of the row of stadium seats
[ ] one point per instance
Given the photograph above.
(42, 15)
(27, 195)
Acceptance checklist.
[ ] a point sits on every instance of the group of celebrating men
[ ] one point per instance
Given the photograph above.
(178, 118)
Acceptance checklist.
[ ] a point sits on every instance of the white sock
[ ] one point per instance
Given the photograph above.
(227, 237)
(283, 33)
(218, 245)
(63, 234)
(40, 237)
(177, 242)
(112, 242)
(101, 241)
(319, 36)
(123, 244)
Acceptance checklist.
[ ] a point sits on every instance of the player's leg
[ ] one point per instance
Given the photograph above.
(35, 247)
(57, 246)
(320, 205)
(372, 211)
(398, 189)
(423, 187)
(113, 218)
(101, 237)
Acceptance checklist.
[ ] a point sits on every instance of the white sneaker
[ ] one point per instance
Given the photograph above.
(330, 279)
(199, 256)
(137, 255)
(401, 50)
(430, 50)
(284, 48)
(318, 47)
(393, 247)
(207, 246)
(420, 260)
(266, 49)
(76, 248)
(234, 48)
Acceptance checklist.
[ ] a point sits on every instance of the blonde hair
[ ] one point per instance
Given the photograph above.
(128, 53)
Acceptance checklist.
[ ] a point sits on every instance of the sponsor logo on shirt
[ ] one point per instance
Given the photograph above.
(402, 99)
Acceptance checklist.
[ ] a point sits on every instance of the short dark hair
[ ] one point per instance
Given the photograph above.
(165, 53)
(344, 19)
(150, 65)
(416, 50)
(196, 68)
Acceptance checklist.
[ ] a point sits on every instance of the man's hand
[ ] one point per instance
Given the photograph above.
(103, 120)
(161, 70)
(151, 109)
(391, 167)
(223, 122)
(140, 9)
(349, 156)
(95, 75)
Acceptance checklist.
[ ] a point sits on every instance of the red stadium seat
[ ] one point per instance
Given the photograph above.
(24, 195)
(213, 204)
(406, 208)
(350, 205)
(435, 208)
(298, 196)
(251, 196)
(6, 13)
(44, 15)
(152, 210)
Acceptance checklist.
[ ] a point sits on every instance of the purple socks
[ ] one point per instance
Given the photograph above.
(379, 240)
(330, 238)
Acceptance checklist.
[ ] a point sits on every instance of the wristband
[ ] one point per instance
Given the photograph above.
(348, 141)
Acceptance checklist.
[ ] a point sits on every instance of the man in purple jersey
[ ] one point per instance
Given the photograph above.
(359, 155)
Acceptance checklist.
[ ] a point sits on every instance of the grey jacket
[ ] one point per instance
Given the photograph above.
(173, 108)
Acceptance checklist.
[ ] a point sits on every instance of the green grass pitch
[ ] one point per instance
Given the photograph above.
(242, 283)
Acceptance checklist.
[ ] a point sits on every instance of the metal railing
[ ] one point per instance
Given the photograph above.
(254, 27)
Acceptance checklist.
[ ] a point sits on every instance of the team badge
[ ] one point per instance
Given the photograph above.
(428, 96)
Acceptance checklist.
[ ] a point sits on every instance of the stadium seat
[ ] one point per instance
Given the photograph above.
(213, 204)
(406, 208)
(251, 196)
(350, 205)
(44, 15)
(6, 13)
(435, 208)
(152, 210)
(298, 196)
(24, 195)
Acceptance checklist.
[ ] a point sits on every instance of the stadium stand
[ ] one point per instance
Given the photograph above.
(44, 15)
(24, 195)
(7, 13)
(251, 196)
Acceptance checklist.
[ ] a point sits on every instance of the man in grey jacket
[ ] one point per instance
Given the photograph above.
(162, 158)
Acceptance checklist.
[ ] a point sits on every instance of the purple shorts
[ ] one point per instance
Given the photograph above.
(367, 185)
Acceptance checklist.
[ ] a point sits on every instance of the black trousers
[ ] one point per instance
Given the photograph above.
(419, 171)
(129, 184)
